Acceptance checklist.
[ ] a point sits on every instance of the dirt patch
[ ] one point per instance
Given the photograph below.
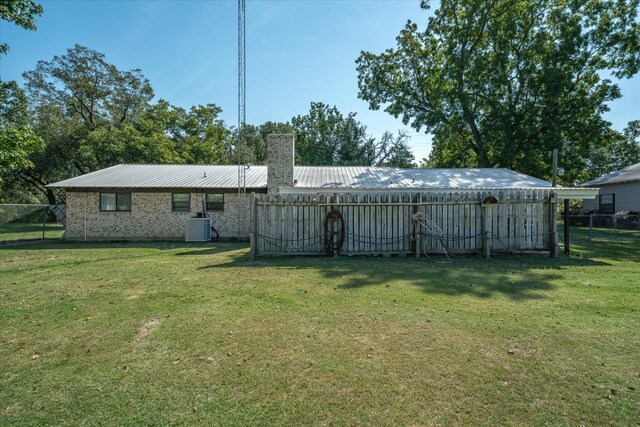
(144, 331)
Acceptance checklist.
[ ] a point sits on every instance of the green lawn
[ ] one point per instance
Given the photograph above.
(24, 231)
(581, 234)
(157, 333)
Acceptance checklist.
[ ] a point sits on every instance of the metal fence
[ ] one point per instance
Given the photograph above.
(27, 222)
(619, 226)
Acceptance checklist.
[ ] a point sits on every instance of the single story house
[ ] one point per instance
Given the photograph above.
(137, 202)
(619, 191)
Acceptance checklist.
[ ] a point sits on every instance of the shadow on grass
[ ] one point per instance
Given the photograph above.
(516, 277)
(27, 228)
(216, 249)
(619, 250)
(205, 248)
(620, 245)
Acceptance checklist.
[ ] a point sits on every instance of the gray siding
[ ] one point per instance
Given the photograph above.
(627, 197)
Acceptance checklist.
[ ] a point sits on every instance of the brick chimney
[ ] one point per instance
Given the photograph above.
(280, 153)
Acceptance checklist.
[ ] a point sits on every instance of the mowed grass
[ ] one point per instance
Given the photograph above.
(581, 234)
(30, 231)
(158, 333)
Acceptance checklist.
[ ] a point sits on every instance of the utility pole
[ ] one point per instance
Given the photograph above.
(554, 178)
(242, 113)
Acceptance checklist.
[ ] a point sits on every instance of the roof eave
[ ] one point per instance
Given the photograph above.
(576, 193)
(148, 189)
(597, 184)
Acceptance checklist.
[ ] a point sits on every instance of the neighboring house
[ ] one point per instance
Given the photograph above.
(619, 191)
(137, 202)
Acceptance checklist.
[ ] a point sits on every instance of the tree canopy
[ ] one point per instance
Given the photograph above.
(21, 13)
(621, 150)
(88, 115)
(17, 139)
(255, 138)
(325, 136)
(501, 83)
(79, 113)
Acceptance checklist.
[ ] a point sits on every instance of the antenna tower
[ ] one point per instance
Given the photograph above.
(241, 150)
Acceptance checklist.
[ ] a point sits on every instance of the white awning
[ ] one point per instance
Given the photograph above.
(576, 193)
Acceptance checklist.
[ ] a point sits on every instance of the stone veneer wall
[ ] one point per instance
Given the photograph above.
(150, 218)
(280, 153)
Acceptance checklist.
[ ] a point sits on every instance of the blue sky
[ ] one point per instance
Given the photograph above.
(297, 52)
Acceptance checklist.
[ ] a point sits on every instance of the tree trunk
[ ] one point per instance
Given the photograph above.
(51, 197)
(478, 146)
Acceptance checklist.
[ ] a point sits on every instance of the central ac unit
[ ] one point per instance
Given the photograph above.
(198, 230)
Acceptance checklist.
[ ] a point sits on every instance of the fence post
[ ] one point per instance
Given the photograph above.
(418, 227)
(615, 223)
(553, 225)
(252, 225)
(44, 220)
(486, 243)
(567, 237)
(85, 216)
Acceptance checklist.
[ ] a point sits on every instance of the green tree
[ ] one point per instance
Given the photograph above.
(90, 115)
(621, 150)
(501, 83)
(20, 12)
(256, 140)
(325, 136)
(87, 88)
(16, 143)
(17, 139)
(196, 136)
(393, 150)
(75, 98)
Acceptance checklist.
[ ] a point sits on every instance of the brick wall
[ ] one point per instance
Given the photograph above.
(151, 217)
(280, 151)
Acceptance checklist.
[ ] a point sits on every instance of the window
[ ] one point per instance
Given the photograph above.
(181, 202)
(215, 202)
(607, 203)
(112, 202)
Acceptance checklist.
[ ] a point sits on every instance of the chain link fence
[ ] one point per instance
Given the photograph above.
(20, 222)
(618, 226)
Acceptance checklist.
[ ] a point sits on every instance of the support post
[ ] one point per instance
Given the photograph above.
(486, 242)
(252, 225)
(590, 226)
(567, 246)
(553, 226)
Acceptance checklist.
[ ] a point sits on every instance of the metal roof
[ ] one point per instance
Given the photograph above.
(316, 177)
(396, 178)
(167, 176)
(628, 174)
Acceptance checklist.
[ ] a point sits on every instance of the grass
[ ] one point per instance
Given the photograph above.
(26, 231)
(156, 333)
(581, 234)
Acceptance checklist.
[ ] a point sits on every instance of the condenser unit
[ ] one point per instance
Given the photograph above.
(198, 230)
